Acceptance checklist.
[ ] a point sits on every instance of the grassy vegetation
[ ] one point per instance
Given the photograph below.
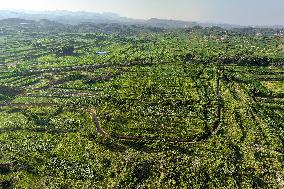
(198, 108)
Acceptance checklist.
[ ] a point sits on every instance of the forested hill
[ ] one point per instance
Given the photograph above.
(45, 25)
(152, 25)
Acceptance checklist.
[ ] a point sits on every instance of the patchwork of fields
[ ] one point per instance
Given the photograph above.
(168, 110)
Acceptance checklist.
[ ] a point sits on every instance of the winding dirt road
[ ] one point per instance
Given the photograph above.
(132, 138)
(104, 133)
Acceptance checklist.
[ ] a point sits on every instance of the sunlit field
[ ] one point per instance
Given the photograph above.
(150, 108)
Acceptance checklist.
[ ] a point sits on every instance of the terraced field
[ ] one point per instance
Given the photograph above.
(154, 111)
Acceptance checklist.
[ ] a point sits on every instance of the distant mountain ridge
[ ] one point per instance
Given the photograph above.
(66, 17)
(163, 23)
(74, 18)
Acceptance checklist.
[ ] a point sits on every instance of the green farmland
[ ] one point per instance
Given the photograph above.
(191, 108)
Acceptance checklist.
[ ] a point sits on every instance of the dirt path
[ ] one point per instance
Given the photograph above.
(102, 132)
(133, 138)
(96, 122)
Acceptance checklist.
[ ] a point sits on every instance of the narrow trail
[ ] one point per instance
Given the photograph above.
(97, 124)
(95, 119)
(133, 138)
(102, 132)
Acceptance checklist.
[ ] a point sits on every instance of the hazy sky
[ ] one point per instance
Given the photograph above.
(224, 11)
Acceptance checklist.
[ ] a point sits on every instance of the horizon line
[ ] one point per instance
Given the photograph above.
(26, 11)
